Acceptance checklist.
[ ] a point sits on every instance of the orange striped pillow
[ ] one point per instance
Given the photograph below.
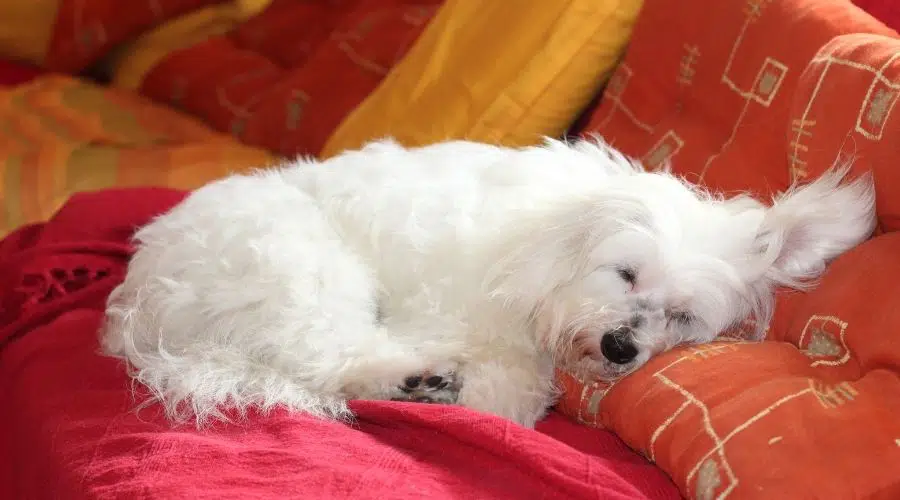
(61, 135)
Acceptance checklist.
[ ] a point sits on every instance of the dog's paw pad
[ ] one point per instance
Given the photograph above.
(411, 383)
(429, 388)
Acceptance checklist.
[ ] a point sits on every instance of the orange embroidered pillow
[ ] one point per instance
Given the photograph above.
(753, 96)
(846, 104)
(812, 413)
(710, 86)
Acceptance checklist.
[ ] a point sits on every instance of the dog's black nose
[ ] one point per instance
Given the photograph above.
(618, 346)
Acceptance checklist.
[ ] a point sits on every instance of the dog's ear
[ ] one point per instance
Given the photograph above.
(541, 261)
(553, 248)
(809, 225)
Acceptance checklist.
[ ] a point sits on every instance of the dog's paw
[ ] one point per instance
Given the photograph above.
(429, 387)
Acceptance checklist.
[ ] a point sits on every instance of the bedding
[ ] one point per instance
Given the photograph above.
(716, 94)
(466, 79)
(68, 428)
(15, 73)
(755, 95)
(60, 135)
(886, 11)
(282, 79)
(70, 35)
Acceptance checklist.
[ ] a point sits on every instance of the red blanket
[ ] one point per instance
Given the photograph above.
(69, 429)
(15, 73)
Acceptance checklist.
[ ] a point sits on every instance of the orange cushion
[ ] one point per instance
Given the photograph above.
(812, 413)
(846, 103)
(794, 85)
(711, 86)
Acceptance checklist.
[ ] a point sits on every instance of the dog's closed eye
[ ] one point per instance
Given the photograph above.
(627, 274)
(683, 318)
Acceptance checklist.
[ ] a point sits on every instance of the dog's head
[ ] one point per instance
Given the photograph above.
(647, 261)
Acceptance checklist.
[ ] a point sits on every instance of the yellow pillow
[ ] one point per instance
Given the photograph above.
(505, 72)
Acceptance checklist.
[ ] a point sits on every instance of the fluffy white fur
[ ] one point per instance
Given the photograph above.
(312, 284)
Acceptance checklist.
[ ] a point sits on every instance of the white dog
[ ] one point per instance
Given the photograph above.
(456, 273)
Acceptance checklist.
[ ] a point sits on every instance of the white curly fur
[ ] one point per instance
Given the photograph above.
(315, 283)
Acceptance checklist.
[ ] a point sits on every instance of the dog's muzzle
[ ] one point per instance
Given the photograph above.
(618, 346)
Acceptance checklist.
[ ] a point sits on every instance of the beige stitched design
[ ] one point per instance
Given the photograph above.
(663, 151)
(413, 15)
(686, 70)
(765, 86)
(616, 86)
(593, 393)
(833, 396)
(822, 344)
(879, 106)
(827, 338)
(708, 480)
(294, 109)
(876, 108)
(720, 484)
(801, 128)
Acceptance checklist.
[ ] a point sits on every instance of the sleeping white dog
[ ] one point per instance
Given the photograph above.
(454, 273)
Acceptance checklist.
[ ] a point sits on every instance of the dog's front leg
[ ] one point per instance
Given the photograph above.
(521, 392)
